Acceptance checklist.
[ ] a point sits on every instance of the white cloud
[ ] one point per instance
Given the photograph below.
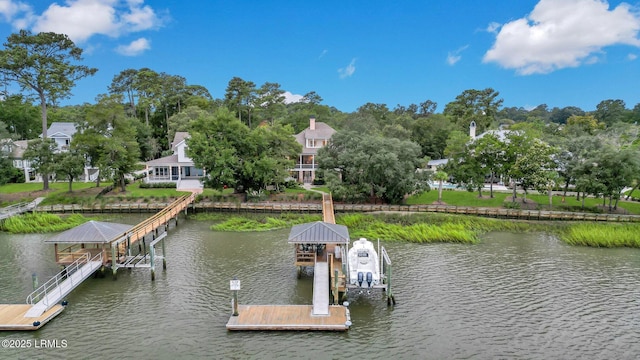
(454, 56)
(82, 19)
(349, 70)
(10, 8)
(563, 33)
(135, 48)
(290, 98)
(632, 57)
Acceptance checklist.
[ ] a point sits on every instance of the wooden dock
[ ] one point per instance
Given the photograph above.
(289, 318)
(12, 317)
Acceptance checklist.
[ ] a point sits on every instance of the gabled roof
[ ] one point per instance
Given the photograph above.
(171, 160)
(61, 129)
(319, 232)
(179, 137)
(322, 131)
(92, 232)
(17, 148)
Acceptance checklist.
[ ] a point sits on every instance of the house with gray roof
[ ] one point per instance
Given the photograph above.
(316, 136)
(62, 133)
(177, 168)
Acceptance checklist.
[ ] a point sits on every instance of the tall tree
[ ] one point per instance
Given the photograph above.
(270, 101)
(610, 111)
(124, 84)
(480, 106)
(239, 97)
(42, 64)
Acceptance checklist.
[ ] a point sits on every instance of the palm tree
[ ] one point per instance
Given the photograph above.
(440, 176)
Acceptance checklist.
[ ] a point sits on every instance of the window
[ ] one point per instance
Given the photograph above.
(317, 143)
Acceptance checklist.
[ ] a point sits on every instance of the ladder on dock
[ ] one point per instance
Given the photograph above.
(321, 288)
(59, 286)
(15, 209)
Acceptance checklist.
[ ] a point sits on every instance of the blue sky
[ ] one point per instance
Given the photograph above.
(555, 52)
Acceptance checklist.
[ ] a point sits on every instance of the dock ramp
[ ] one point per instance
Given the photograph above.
(56, 288)
(321, 288)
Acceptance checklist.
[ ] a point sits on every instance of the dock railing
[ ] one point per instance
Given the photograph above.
(52, 284)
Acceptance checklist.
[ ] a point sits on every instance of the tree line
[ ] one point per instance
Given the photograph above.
(244, 138)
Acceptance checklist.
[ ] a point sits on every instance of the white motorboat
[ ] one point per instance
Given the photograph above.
(364, 265)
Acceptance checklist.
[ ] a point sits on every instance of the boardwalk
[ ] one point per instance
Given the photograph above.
(20, 208)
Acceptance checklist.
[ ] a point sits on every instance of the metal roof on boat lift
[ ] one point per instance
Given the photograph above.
(319, 232)
(91, 232)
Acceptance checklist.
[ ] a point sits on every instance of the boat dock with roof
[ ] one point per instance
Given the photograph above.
(322, 245)
(85, 249)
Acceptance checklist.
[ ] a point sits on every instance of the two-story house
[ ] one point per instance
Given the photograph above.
(174, 168)
(316, 136)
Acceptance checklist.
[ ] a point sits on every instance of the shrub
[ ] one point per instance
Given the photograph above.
(159, 185)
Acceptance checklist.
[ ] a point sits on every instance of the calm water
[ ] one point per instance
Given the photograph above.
(512, 296)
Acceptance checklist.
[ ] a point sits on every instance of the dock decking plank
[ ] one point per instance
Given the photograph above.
(288, 317)
(12, 317)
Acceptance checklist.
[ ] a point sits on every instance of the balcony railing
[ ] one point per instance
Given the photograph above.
(306, 166)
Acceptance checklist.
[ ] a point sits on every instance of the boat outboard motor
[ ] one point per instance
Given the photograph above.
(360, 279)
(369, 278)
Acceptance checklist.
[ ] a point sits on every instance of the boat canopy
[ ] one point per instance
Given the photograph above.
(91, 232)
(319, 232)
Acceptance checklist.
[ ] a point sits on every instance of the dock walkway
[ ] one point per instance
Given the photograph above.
(321, 288)
(59, 286)
(16, 209)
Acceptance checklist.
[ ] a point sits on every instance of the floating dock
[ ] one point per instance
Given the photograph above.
(289, 318)
(12, 317)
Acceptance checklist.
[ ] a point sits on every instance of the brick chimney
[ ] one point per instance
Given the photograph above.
(312, 123)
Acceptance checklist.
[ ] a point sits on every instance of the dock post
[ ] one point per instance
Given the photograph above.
(336, 297)
(234, 285)
(164, 256)
(114, 266)
(390, 298)
(128, 245)
(152, 253)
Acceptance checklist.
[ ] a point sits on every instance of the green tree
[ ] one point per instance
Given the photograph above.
(610, 111)
(239, 97)
(440, 177)
(536, 167)
(41, 155)
(42, 64)
(480, 106)
(115, 134)
(69, 165)
(360, 165)
(235, 156)
(270, 101)
(21, 117)
(490, 152)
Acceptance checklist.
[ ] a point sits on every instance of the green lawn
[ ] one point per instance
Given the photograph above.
(30, 187)
(459, 198)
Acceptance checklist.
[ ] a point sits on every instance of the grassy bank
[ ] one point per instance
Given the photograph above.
(41, 223)
(602, 235)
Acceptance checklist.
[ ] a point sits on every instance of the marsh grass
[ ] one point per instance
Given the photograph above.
(262, 222)
(602, 235)
(41, 223)
(427, 228)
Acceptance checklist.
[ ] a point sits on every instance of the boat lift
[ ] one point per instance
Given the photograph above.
(385, 275)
